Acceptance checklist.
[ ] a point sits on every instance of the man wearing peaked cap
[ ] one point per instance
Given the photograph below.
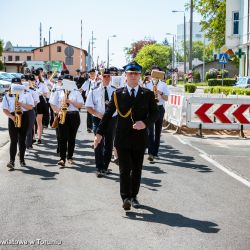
(137, 110)
(68, 77)
(91, 70)
(16, 80)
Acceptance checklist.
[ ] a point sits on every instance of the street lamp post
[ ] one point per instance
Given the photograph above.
(185, 48)
(49, 44)
(173, 56)
(108, 49)
(191, 35)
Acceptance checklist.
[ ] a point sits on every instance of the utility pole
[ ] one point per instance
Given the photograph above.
(185, 48)
(92, 49)
(191, 35)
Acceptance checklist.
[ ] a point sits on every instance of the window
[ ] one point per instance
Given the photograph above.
(17, 58)
(236, 19)
(28, 58)
(59, 49)
(10, 58)
(41, 50)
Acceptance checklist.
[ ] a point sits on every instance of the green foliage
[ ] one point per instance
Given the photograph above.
(215, 73)
(198, 51)
(1, 47)
(1, 65)
(218, 82)
(135, 47)
(196, 76)
(213, 13)
(227, 90)
(154, 54)
(190, 88)
(169, 81)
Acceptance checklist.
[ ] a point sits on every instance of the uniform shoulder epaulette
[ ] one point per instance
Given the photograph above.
(113, 87)
(96, 87)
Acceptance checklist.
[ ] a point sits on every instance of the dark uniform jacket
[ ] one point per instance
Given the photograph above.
(144, 108)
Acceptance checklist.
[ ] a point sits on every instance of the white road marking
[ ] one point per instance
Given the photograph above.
(205, 156)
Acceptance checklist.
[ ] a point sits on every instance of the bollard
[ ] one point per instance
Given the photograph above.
(242, 135)
(199, 134)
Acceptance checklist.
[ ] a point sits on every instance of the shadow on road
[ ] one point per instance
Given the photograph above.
(172, 220)
(175, 158)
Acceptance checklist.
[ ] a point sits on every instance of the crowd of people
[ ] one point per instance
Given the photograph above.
(126, 119)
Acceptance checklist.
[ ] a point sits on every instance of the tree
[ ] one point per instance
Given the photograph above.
(135, 47)
(198, 50)
(154, 54)
(1, 53)
(213, 23)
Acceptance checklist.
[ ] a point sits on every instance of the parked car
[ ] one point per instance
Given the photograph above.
(6, 76)
(243, 82)
(16, 74)
(4, 86)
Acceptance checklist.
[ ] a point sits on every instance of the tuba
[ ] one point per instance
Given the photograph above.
(18, 113)
(64, 107)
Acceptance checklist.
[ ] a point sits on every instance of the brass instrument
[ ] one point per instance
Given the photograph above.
(64, 107)
(52, 75)
(155, 90)
(18, 112)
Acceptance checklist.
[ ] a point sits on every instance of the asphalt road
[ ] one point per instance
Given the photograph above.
(188, 203)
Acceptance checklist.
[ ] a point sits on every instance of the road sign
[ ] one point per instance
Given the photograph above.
(218, 113)
(223, 58)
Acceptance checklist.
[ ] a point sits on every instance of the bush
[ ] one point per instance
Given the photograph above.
(1, 65)
(196, 76)
(190, 88)
(169, 81)
(227, 90)
(218, 82)
(212, 74)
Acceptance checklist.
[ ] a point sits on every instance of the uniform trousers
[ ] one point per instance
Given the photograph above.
(67, 134)
(31, 122)
(18, 135)
(130, 165)
(103, 152)
(154, 133)
(89, 121)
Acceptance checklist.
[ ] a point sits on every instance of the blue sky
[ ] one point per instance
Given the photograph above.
(129, 20)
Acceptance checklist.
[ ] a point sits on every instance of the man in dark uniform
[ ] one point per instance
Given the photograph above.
(137, 110)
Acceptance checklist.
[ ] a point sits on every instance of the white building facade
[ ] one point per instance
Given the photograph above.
(237, 32)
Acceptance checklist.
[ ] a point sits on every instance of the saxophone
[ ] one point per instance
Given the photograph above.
(64, 107)
(18, 113)
(155, 90)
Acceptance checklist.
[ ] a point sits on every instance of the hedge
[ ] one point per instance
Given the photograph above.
(227, 90)
(169, 81)
(190, 88)
(218, 82)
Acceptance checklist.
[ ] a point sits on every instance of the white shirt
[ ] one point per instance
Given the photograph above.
(96, 98)
(136, 89)
(58, 97)
(88, 85)
(162, 87)
(42, 88)
(9, 101)
(34, 95)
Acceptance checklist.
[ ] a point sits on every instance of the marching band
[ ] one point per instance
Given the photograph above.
(123, 118)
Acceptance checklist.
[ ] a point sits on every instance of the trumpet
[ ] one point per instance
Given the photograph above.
(18, 113)
(155, 90)
(64, 107)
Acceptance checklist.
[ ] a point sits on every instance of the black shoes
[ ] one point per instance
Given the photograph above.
(126, 204)
(39, 141)
(89, 130)
(116, 161)
(135, 203)
(99, 173)
(11, 165)
(151, 158)
(61, 163)
(22, 164)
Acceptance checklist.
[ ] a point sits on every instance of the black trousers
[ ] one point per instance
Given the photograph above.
(130, 165)
(89, 121)
(18, 136)
(103, 152)
(154, 133)
(67, 134)
(46, 115)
